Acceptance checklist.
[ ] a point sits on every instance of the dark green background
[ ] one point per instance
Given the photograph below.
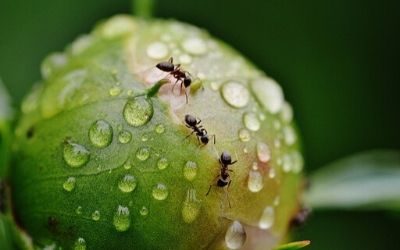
(336, 60)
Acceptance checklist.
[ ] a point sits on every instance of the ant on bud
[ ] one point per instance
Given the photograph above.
(175, 71)
(201, 133)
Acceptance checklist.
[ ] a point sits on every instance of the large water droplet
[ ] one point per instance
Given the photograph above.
(195, 46)
(235, 94)
(251, 121)
(269, 94)
(127, 184)
(96, 215)
(244, 135)
(69, 184)
(138, 111)
(143, 153)
(144, 211)
(101, 133)
(75, 155)
(267, 218)
(191, 206)
(162, 163)
(160, 192)
(157, 50)
(263, 152)
(255, 182)
(122, 220)
(235, 236)
(124, 136)
(190, 170)
(160, 129)
(80, 244)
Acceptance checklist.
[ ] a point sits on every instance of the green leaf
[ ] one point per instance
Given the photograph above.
(11, 237)
(294, 245)
(369, 180)
(6, 114)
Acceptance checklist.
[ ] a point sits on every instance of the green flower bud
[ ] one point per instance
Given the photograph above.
(103, 160)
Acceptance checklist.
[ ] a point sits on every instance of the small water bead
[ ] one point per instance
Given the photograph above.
(292, 161)
(138, 111)
(114, 91)
(235, 236)
(191, 206)
(96, 215)
(145, 137)
(251, 121)
(80, 244)
(185, 59)
(52, 64)
(267, 218)
(117, 26)
(190, 170)
(69, 184)
(162, 163)
(143, 153)
(157, 50)
(269, 93)
(277, 125)
(272, 173)
(286, 112)
(78, 210)
(263, 152)
(101, 134)
(127, 184)
(235, 94)
(194, 46)
(121, 219)
(289, 135)
(255, 182)
(144, 211)
(277, 201)
(127, 165)
(75, 155)
(160, 192)
(82, 43)
(160, 129)
(124, 136)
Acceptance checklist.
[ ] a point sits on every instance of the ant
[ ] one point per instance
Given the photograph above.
(175, 70)
(223, 178)
(201, 133)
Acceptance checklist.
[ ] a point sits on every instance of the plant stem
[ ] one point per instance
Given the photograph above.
(143, 8)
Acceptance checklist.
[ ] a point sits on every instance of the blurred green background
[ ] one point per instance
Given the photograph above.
(336, 60)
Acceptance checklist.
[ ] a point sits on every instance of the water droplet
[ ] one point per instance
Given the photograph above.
(251, 121)
(80, 244)
(235, 94)
(289, 135)
(162, 163)
(75, 155)
(185, 59)
(127, 165)
(272, 173)
(160, 192)
(114, 91)
(286, 112)
(263, 152)
(78, 210)
(124, 136)
(122, 220)
(292, 161)
(138, 111)
(276, 201)
(190, 170)
(143, 153)
(160, 129)
(144, 211)
(145, 137)
(255, 182)
(195, 46)
(191, 206)
(235, 236)
(96, 215)
(269, 94)
(157, 50)
(52, 64)
(69, 184)
(127, 184)
(101, 133)
(267, 218)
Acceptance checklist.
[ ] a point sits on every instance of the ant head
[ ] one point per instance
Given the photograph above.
(226, 158)
(187, 81)
(204, 139)
(165, 66)
(190, 120)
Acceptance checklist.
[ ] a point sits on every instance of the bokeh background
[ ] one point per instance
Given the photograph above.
(337, 61)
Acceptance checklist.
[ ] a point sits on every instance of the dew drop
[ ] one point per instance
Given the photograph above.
(190, 170)
(235, 94)
(144, 211)
(286, 112)
(263, 152)
(185, 59)
(127, 184)
(121, 219)
(80, 244)
(160, 129)
(162, 163)
(127, 165)
(143, 153)
(96, 215)
(194, 46)
(272, 173)
(114, 91)
(157, 50)
(251, 121)
(124, 136)
(269, 94)
(160, 192)
(289, 135)
(235, 236)
(138, 111)
(52, 64)
(267, 218)
(244, 135)
(191, 207)
(255, 182)
(78, 210)
(101, 134)
(69, 184)
(75, 155)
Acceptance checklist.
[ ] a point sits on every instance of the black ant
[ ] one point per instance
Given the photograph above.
(201, 133)
(175, 70)
(223, 178)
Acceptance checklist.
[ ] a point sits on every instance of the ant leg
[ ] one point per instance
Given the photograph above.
(171, 60)
(198, 122)
(213, 137)
(233, 162)
(209, 189)
(189, 135)
(187, 98)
